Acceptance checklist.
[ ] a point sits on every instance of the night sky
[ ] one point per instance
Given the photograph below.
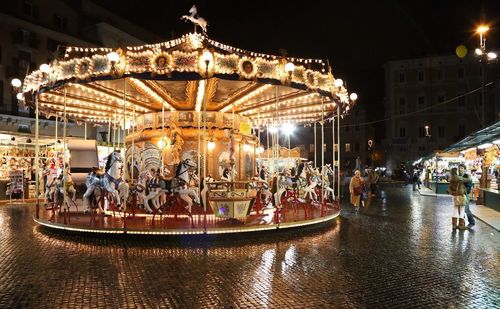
(356, 36)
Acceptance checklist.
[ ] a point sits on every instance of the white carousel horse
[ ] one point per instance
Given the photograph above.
(327, 171)
(155, 195)
(179, 184)
(314, 181)
(285, 182)
(111, 181)
(195, 19)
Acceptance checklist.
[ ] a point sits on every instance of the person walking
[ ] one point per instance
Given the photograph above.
(457, 189)
(467, 180)
(356, 189)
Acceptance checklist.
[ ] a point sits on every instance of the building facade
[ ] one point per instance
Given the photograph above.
(432, 102)
(32, 30)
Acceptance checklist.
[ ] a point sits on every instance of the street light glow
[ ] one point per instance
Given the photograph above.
(16, 82)
(482, 29)
(492, 56)
(478, 51)
(353, 96)
(44, 68)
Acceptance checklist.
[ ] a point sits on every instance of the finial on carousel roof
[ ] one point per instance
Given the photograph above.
(196, 19)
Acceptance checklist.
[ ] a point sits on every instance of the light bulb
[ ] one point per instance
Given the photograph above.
(44, 68)
(353, 96)
(338, 82)
(113, 57)
(20, 96)
(211, 145)
(16, 82)
(492, 56)
(289, 67)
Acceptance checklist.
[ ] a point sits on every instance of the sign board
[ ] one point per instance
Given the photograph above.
(16, 181)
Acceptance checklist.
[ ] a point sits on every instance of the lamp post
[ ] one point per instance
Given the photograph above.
(484, 56)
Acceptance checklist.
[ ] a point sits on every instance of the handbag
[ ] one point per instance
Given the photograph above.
(357, 190)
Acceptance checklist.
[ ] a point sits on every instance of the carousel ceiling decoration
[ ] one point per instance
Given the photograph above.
(190, 73)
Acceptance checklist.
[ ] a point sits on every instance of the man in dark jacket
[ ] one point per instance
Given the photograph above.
(468, 187)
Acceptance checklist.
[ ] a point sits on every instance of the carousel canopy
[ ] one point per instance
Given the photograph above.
(103, 84)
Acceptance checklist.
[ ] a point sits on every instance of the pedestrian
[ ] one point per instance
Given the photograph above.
(457, 189)
(372, 181)
(467, 180)
(356, 189)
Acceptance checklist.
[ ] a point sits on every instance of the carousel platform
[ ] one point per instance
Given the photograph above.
(176, 223)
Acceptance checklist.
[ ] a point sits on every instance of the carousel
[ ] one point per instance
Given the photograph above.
(187, 117)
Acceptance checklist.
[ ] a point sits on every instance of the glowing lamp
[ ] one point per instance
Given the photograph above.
(288, 128)
(207, 57)
(45, 68)
(492, 56)
(289, 68)
(16, 82)
(482, 29)
(478, 51)
(338, 82)
(113, 57)
(211, 145)
(484, 146)
(20, 96)
(246, 148)
(273, 129)
(353, 96)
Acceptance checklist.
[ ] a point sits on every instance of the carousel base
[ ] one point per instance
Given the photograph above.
(119, 223)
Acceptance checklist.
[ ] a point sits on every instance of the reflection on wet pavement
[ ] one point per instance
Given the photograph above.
(399, 251)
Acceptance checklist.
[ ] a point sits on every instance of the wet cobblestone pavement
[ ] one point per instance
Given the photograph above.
(399, 252)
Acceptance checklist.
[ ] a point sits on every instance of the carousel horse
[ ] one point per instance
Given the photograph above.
(111, 181)
(142, 182)
(69, 185)
(328, 193)
(195, 19)
(179, 185)
(205, 187)
(314, 181)
(285, 184)
(155, 194)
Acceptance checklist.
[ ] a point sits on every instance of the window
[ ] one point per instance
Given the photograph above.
(356, 128)
(401, 77)
(402, 132)
(440, 131)
(347, 147)
(60, 22)
(439, 75)
(402, 149)
(440, 98)
(27, 8)
(402, 105)
(356, 147)
(461, 73)
(420, 76)
(347, 129)
(461, 100)
(421, 132)
(421, 148)
(421, 101)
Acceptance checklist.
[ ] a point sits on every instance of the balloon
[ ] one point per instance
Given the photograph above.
(461, 51)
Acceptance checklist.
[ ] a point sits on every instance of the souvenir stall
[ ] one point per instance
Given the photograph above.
(189, 114)
(436, 170)
(481, 154)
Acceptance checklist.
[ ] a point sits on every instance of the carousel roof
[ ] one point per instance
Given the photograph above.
(99, 84)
